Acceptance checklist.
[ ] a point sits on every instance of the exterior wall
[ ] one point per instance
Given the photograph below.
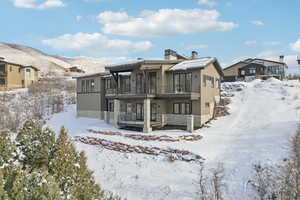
(90, 103)
(209, 95)
(234, 70)
(14, 77)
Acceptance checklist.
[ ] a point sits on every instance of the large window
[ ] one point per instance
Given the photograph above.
(182, 82)
(2, 68)
(83, 86)
(125, 84)
(152, 81)
(182, 108)
(139, 83)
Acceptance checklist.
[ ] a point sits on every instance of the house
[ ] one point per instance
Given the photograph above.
(14, 75)
(75, 70)
(177, 91)
(258, 68)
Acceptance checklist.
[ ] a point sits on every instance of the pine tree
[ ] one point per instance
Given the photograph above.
(7, 150)
(3, 193)
(36, 145)
(86, 188)
(63, 166)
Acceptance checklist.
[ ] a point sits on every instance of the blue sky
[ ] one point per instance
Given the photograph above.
(227, 29)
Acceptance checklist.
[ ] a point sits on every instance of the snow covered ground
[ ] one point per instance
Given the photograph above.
(264, 116)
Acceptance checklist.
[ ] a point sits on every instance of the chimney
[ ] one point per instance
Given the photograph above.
(281, 58)
(194, 55)
(170, 54)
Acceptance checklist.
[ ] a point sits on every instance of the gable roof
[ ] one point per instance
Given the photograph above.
(197, 64)
(250, 60)
(22, 66)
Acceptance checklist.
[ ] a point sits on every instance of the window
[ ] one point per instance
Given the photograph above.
(243, 72)
(92, 85)
(108, 83)
(217, 85)
(27, 70)
(208, 81)
(176, 108)
(252, 71)
(83, 86)
(207, 105)
(182, 108)
(10, 68)
(125, 84)
(2, 81)
(19, 70)
(182, 82)
(88, 86)
(139, 83)
(2, 68)
(152, 80)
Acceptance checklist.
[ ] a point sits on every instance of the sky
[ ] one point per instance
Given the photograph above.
(230, 30)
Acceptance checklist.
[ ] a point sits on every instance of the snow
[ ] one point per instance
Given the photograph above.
(128, 62)
(264, 117)
(202, 62)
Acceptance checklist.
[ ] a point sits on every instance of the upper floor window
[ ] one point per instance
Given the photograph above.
(83, 86)
(2, 81)
(27, 70)
(182, 82)
(252, 71)
(125, 84)
(208, 81)
(139, 83)
(2, 68)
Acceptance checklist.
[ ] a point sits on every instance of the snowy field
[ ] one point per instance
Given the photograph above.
(264, 116)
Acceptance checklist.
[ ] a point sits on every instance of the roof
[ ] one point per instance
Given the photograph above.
(253, 64)
(250, 60)
(24, 66)
(135, 64)
(197, 64)
(91, 74)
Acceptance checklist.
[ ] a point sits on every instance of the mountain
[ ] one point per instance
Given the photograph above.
(25, 55)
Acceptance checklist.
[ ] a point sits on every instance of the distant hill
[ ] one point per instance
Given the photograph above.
(47, 63)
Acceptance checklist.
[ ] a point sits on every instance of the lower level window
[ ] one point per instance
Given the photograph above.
(182, 108)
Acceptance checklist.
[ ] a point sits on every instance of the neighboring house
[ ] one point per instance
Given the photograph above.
(74, 71)
(258, 68)
(145, 94)
(14, 75)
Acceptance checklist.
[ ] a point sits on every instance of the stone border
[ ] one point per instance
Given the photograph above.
(171, 154)
(164, 138)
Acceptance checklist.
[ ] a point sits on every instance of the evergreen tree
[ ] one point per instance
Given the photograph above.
(3, 193)
(36, 145)
(7, 150)
(86, 188)
(63, 166)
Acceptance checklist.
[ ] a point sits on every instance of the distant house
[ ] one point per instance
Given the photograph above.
(145, 94)
(258, 68)
(14, 75)
(75, 70)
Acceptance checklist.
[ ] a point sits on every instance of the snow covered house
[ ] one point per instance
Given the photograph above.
(258, 68)
(145, 94)
(14, 75)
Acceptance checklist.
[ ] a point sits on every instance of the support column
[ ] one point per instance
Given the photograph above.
(147, 116)
(190, 123)
(116, 112)
(106, 117)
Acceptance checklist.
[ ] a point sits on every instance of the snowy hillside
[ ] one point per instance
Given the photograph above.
(48, 63)
(264, 116)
